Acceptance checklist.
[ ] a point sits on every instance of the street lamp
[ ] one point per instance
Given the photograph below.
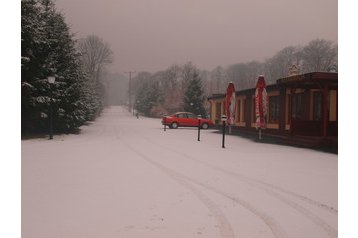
(165, 121)
(137, 112)
(223, 119)
(51, 80)
(199, 120)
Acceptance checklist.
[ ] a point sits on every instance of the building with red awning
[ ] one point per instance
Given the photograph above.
(302, 109)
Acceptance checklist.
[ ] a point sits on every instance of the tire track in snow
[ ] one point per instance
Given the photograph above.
(332, 232)
(276, 230)
(313, 202)
(310, 201)
(223, 224)
(272, 191)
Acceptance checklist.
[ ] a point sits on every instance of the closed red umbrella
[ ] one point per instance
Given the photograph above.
(260, 104)
(230, 104)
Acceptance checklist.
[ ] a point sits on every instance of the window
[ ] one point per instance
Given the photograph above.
(274, 108)
(181, 115)
(191, 115)
(218, 110)
(317, 105)
(297, 106)
(238, 107)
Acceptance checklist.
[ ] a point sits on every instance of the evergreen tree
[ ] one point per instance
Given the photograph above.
(33, 39)
(149, 95)
(194, 98)
(48, 49)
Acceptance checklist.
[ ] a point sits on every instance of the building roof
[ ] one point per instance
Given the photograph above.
(309, 78)
(216, 96)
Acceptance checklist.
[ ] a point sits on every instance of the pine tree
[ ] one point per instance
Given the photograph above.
(149, 95)
(194, 98)
(48, 49)
(33, 88)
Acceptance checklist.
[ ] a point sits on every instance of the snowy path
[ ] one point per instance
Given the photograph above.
(126, 177)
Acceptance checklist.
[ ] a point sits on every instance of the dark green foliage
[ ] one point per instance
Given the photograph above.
(149, 95)
(194, 97)
(47, 49)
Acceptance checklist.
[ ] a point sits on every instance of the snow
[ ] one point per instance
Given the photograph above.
(127, 177)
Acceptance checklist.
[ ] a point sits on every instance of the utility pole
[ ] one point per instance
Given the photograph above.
(130, 89)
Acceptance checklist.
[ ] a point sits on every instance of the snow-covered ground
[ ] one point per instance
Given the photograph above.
(127, 177)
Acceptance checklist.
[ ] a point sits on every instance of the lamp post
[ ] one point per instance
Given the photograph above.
(199, 118)
(51, 80)
(223, 119)
(137, 113)
(165, 121)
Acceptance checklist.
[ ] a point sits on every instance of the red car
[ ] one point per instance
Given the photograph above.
(185, 119)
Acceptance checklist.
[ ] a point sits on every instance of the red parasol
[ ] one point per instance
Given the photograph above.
(230, 104)
(261, 103)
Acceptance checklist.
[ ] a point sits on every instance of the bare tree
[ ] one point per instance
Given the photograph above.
(95, 55)
(244, 75)
(205, 81)
(218, 80)
(278, 66)
(319, 55)
(187, 73)
(138, 80)
(171, 78)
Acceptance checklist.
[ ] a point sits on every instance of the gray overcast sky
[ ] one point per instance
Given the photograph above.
(151, 35)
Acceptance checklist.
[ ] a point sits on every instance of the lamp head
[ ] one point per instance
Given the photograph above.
(51, 79)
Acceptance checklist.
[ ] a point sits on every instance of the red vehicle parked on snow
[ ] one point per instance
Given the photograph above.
(185, 119)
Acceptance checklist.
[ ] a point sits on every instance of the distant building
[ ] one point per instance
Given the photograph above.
(302, 109)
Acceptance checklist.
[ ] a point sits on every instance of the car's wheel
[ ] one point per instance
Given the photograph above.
(174, 125)
(205, 126)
